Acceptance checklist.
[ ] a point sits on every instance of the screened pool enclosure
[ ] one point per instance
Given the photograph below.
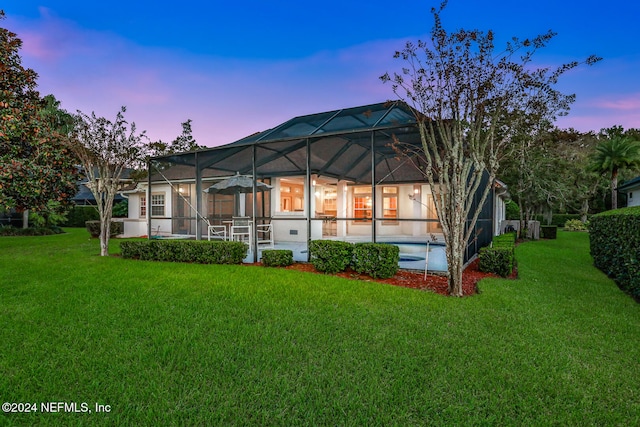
(332, 175)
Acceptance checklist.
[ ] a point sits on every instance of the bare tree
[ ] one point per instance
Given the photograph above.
(106, 149)
(470, 102)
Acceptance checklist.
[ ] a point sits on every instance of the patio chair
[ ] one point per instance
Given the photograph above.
(217, 232)
(264, 233)
(241, 230)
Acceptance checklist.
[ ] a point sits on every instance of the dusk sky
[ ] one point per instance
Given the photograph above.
(236, 68)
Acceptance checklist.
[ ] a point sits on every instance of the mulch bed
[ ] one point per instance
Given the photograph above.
(409, 279)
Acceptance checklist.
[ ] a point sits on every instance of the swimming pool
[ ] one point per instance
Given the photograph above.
(413, 255)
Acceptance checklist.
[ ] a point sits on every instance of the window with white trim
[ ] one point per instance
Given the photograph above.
(143, 206)
(362, 203)
(157, 204)
(390, 205)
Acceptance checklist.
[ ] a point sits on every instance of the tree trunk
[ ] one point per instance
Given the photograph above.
(105, 234)
(455, 240)
(455, 262)
(585, 210)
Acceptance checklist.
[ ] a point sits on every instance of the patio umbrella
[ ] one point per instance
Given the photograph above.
(236, 185)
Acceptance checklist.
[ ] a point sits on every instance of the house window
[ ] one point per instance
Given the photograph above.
(362, 204)
(329, 206)
(143, 206)
(390, 205)
(157, 205)
(291, 195)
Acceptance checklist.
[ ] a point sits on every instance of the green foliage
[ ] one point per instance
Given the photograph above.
(277, 257)
(576, 225)
(10, 230)
(79, 215)
(35, 164)
(613, 155)
(615, 246)
(559, 220)
(376, 259)
(198, 251)
(330, 256)
(121, 209)
(53, 214)
(512, 210)
(548, 231)
(183, 143)
(499, 258)
(93, 227)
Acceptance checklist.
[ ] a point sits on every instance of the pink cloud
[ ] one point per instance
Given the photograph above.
(626, 103)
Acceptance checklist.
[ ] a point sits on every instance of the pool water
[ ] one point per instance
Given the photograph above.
(413, 256)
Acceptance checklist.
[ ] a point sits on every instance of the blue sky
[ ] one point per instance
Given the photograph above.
(236, 68)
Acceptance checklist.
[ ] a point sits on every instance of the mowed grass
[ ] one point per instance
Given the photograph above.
(186, 344)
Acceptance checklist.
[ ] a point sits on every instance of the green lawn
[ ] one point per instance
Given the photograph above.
(183, 344)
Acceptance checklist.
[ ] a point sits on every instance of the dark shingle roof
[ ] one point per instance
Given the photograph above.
(635, 182)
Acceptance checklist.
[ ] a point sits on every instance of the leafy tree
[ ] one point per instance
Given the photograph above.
(471, 102)
(549, 173)
(184, 142)
(36, 166)
(105, 149)
(614, 154)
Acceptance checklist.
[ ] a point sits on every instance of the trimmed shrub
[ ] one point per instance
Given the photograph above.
(79, 215)
(614, 238)
(496, 260)
(330, 256)
(499, 258)
(198, 251)
(504, 240)
(10, 230)
(548, 231)
(277, 257)
(93, 227)
(378, 260)
(576, 225)
(558, 220)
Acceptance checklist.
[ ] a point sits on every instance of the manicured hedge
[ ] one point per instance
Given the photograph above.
(376, 259)
(499, 258)
(615, 246)
(330, 256)
(93, 227)
(198, 251)
(548, 231)
(79, 215)
(277, 257)
(10, 230)
(558, 219)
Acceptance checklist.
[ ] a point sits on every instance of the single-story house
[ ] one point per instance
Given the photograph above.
(331, 175)
(632, 189)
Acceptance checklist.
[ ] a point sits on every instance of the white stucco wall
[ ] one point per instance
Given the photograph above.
(633, 197)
